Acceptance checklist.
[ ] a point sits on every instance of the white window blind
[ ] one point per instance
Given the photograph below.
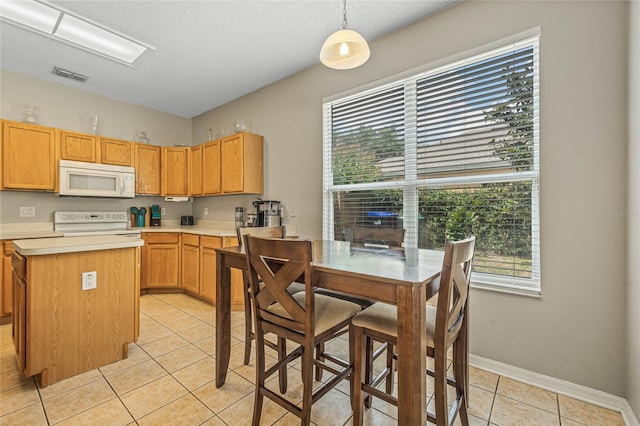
(444, 154)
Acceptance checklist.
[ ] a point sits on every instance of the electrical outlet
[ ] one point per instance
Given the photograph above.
(27, 212)
(292, 211)
(206, 211)
(89, 280)
(163, 211)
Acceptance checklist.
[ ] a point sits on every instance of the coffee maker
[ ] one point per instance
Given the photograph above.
(268, 213)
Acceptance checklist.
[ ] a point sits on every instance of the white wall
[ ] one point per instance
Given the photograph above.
(633, 235)
(70, 108)
(576, 330)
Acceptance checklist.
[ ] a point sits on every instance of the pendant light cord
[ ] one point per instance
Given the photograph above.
(344, 15)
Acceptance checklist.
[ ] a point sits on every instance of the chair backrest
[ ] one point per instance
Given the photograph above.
(389, 236)
(265, 232)
(279, 263)
(454, 290)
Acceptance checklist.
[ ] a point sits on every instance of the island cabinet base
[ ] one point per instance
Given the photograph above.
(61, 330)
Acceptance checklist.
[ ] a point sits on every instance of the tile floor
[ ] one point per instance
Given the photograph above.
(168, 379)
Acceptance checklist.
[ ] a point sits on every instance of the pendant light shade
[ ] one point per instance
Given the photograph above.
(344, 49)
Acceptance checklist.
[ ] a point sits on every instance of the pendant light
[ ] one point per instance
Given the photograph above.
(344, 49)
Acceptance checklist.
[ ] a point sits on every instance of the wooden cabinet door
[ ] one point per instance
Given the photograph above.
(147, 165)
(190, 263)
(29, 156)
(116, 152)
(208, 247)
(211, 168)
(232, 163)
(78, 147)
(175, 176)
(241, 163)
(195, 175)
(163, 259)
(6, 286)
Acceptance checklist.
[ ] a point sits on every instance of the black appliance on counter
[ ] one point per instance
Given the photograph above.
(186, 221)
(269, 213)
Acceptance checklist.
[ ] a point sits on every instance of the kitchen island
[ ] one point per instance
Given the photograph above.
(75, 303)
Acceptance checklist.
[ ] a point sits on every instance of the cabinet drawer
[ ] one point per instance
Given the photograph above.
(190, 239)
(210, 242)
(162, 238)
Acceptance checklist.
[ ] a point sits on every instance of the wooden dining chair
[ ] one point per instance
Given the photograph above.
(267, 232)
(447, 326)
(305, 318)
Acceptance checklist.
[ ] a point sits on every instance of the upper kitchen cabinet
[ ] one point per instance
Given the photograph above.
(195, 176)
(175, 171)
(78, 147)
(117, 152)
(29, 156)
(147, 165)
(242, 164)
(211, 168)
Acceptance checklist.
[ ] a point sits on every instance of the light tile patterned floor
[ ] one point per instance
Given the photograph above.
(168, 379)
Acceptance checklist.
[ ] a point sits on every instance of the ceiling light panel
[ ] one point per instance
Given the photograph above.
(92, 37)
(30, 14)
(62, 26)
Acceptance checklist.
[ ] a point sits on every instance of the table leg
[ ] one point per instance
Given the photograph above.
(412, 363)
(223, 319)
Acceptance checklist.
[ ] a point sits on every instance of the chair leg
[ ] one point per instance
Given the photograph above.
(260, 377)
(307, 385)
(440, 388)
(352, 357)
(248, 321)
(282, 373)
(361, 351)
(391, 368)
(319, 351)
(368, 368)
(460, 375)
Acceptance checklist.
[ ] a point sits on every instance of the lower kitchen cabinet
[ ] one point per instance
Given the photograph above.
(208, 246)
(190, 263)
(172, 261)
(6, 288)
(160, 265)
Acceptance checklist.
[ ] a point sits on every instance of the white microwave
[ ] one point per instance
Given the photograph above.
(96, 180)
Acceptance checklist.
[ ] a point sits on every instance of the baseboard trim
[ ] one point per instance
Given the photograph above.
(582, 393)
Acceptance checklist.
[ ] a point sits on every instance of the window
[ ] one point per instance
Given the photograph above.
(446, 153)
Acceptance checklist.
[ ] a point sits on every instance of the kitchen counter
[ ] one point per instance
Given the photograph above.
(18, 231)
(44, 246)
(195, 229)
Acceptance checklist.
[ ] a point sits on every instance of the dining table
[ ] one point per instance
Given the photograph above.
(405, 277)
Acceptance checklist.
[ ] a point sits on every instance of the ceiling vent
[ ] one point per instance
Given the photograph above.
(70, 74)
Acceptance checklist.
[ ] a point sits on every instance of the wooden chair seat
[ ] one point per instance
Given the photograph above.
(328, 312)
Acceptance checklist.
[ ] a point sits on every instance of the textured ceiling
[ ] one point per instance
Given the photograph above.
(206, 53)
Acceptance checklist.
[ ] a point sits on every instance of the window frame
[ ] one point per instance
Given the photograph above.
(411, 184)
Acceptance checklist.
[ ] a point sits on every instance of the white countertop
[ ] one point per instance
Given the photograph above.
(195, 229)
(17, 231)
(44, 246)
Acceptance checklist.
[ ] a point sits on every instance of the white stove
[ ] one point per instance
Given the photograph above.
(85, 223)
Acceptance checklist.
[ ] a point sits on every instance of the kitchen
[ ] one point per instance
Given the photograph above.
(288, 115)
